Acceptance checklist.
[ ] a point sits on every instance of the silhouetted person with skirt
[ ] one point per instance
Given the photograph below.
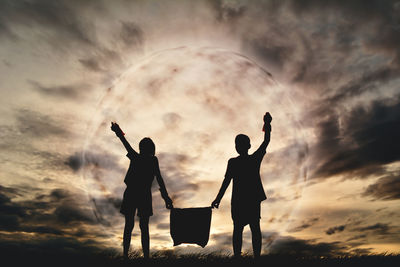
(137, 196)
(248, 191)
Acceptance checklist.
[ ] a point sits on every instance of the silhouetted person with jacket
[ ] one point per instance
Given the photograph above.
(247, 192)
(137, 196)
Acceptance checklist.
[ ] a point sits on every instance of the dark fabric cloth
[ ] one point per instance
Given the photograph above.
(247, 191)
(138, 179)
(190, 225)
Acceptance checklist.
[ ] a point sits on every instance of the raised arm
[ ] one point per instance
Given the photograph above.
(118, 132)
(224, 186)
(267, 132)
(163, 189)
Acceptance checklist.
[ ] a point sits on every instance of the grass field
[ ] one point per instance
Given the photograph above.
(168, 258)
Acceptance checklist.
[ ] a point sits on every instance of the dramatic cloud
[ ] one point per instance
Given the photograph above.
(385, 188)
(335, 229)
(304, 225)
(99, 160)
(32, 215)
(61, 17)
(299, 247)
(48, 248)
(380, 228)
(68, 91)
(356, 237)
(37, 125)
(191, 75)
(132, 34)
(364, 143)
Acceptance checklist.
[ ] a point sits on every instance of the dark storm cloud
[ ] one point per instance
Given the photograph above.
(288, 245)
(270, 51)
(131, 34)
(335, 229)
(37, 125)
(365, 142)
(103, 60)
(306, 224)
(61, 16)
(7, 192)
(99, 160)
(292, 246)
(68, 26)
(362, 141)
(106, 209)
(369, 81)
(227, 12)
(373, 9)
(378, 228)
(66, 214)
(319, 43)
(385, 188)
(37, 159)
(356, 237)
(383, 15)
(21, 139)
(64, 202)
(10, 212)
(23, 249)
(5, 31)
(33, 215)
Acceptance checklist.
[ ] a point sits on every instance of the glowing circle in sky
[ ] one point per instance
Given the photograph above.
(193, 102)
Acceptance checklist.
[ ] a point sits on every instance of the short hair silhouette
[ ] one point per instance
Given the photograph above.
(247, 190)
(242, 143)
(147, 147)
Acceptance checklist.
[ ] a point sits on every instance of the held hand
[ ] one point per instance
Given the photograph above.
(168, 203)
(115, 128)
(215, 204)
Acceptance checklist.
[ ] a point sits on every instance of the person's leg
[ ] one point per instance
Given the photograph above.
(237, 238)
(256, 237)
(144, 229)
(129, 223)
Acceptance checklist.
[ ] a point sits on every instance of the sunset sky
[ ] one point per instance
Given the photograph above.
(192, 75)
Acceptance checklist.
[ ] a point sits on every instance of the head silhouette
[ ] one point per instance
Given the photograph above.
(147, 147)
(242, 144)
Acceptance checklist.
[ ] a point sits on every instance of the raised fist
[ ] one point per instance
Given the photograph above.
(115, 128)
(267, 118)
